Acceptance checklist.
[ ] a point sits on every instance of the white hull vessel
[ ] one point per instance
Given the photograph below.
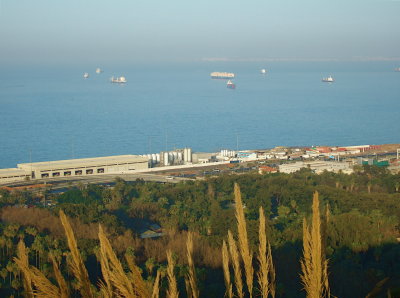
(119, 80)
(328, 79)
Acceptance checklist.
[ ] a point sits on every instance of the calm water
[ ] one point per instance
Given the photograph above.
(53, 113)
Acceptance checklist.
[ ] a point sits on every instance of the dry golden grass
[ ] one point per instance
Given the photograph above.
(123, 284)
(156, 286)
(314, 266)
(23, 259)
(76, 264)
(225, 266)
(172, 291)
(236, 264)
(64, 290)
(266, 273)
(191, 278)
(245, 251)
(43, 287)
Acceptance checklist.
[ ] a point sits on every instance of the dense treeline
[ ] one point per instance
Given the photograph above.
(361, 245)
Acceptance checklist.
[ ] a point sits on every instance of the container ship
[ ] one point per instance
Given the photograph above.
(222, 75)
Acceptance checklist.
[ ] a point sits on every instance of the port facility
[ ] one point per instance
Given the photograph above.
(75, 167)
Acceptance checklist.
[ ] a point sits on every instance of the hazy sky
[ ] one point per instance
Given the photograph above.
(76, 31)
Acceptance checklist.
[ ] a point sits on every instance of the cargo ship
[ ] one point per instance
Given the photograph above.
(118, 80)
(230, 85)
(222, 75)
(99, 70)
(328, 79)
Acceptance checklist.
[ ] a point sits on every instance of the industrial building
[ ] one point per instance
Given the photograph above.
(13, 175)
(317, 167)
(84, 166)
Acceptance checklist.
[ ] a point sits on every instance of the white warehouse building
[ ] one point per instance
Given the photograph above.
(85, 166)
(317, 166)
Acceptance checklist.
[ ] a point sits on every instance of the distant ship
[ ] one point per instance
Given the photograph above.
(230, 85)
(397, 69)
(118, 80)
(263, 71)
(99, 70)
(222, 75)
(85, 75)
(328, 79)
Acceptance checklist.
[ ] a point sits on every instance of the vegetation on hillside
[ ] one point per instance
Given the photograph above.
(359, 226)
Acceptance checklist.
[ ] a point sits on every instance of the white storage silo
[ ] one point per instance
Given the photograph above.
(189, 154)
(180, 156)
(166, 158)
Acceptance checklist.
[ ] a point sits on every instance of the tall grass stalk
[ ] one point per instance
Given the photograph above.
(156, 286)
(314, 266)
(43, 287)
(172, 291)
(233, 250)
(114, 270)
(194, 291)
(76, 264)
(245, 251)
(225, 266)
(266, 273)
(64, 290)
(136, 278)
(23, 259)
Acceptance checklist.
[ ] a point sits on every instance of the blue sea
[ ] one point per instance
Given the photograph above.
(52, 113)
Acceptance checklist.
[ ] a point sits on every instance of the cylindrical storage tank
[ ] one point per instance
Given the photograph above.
(180, 156)
(189, 154)
(166, 159)
(149, 156)
(175, 154)
(154, 157)
(158, 157)
(171, 157)
(185, 154)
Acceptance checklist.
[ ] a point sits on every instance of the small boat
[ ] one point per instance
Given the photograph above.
(120, 80)
(99, 70)
(230, 85)
(328, 79)
(85, 75)
(397, 69)
(263, 71)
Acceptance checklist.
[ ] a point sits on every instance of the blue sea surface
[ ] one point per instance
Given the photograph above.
(53, 113)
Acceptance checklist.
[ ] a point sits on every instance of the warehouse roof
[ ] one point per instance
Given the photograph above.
(12, 172)
(83, 162)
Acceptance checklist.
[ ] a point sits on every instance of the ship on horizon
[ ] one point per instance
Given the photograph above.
(120, 80)
(328, 79)
(85, 75)
(222, 75)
